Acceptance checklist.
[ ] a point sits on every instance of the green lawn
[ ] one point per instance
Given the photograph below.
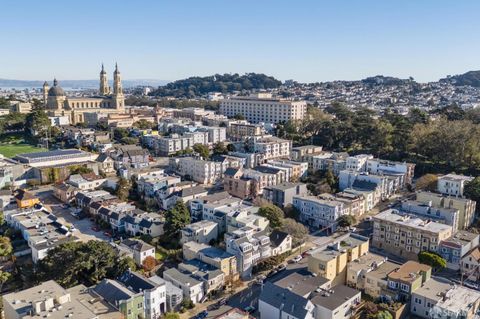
(10, 150)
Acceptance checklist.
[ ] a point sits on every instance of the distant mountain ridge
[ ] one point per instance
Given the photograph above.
(7, 83)
(471, 78)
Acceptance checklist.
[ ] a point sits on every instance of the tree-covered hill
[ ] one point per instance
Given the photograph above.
(471, 78)
(226, 83)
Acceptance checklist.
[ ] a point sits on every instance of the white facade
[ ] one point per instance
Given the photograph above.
(263, 108)
(205, 172)
(203, 232)
(319, 212)
(453, 184)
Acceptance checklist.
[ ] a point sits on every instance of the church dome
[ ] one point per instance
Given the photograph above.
(56, 90)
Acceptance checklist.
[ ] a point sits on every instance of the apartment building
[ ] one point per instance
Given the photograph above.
(204, 172)
(354, 203)
(297, 170)
(331, 261)
(210, 202)
(203, 231)
(440, 298)
(387, 184)
(243, 216)
(300, 153)
(405, 171)
(191, 287)
(466, 207)
(270, 147)
(165, 146)
(453, 184)
(282, 194)
(212, 278)
(236, 184)
(319, 213)
(240, 130)
(326, 161)
(262, 107)
(405, 235)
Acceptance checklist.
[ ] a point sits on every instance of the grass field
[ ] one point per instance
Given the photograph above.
(10, 150)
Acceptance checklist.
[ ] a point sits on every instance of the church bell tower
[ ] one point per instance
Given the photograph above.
(117, 89)
(104, 89)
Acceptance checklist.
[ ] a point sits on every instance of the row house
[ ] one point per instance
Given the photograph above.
(388, 184)
(197, 205)
(297, 169)
(217, 211)
(203, 231)
(455, 248)
(282, 194)
(201, 171)
(354, 203)
(213, 279)
(304, 153)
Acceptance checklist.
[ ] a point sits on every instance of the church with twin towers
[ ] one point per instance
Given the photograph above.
(108, 101)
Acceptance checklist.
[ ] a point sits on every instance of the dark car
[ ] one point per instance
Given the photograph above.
(202, 314)
(282, 267)
(249, 309)
(272, 273)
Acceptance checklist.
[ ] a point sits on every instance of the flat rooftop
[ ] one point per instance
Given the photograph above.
(336, 297)
(409, 271)
(302, 284)
(394, 216)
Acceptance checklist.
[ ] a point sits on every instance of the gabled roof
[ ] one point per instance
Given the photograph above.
(231, 171)
(112, 291)
(277, 237)
(136, 282)
(24, 195)
(137, 244)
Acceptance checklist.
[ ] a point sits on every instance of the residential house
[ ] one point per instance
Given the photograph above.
(213, 278)
(86, 181)
(203, 231)
(191, 287)
(65, 192)
(406, 279)
(174, 295)
(470, 265)
(130, 304)
(453, 249)
(25, 199)
(440, 298)
(448, 216)
(236, 184)
(281, 242)
(137, 249)
(197, 205)
(154, 294)
(213, 256)
(106, 164)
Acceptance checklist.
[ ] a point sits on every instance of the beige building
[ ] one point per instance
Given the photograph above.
(21, 107)
(242, 129)
(50, 300)
(331, 261)
(108, 102)
(213, 256)
(466, 207)
(404, 235)
(262, 107)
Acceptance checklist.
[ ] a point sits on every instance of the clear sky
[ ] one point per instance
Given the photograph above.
(305, 40)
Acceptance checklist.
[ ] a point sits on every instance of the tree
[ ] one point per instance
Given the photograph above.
(123, 189)
(126, 263)
(4, 277)
(149, 263)
(273, 213)
(202, 150)
(231, 147)
(73, 262)
(176, 218)
(297, 230)
(346, 220)
(427, 182)
(37, 123)
(432, 259)
(220, 149)
(171, 315)
(472, 190)
(142, 124)
(119, 133)
(6, 248)
(291, 212)
(2, 218)
(129, 140)
(187, 303)
(239, 117)
(384, 314)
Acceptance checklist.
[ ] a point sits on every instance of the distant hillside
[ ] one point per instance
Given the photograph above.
(87, 84)
(226, 83)
(471, 78)
(383, 80)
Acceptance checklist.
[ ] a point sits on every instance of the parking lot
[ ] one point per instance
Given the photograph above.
(83, 228)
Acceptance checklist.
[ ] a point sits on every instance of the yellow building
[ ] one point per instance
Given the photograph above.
(331, 262)
(107, 102)
(25, 199)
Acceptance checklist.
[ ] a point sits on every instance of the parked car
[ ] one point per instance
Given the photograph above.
(108, 234)
(272, 273)
(249, 309)
(95, 228)
(297, 258)
(222, 302)
(202, 314)
(369, 218)
(282, 267)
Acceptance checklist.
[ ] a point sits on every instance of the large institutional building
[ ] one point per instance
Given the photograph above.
(261, 107)
(108, 101)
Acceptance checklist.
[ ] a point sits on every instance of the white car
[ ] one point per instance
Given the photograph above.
(297, 259)
(369, 218)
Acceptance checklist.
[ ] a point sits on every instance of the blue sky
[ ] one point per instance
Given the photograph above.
(298, 39)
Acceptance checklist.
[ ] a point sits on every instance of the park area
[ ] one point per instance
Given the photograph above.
(13, 144)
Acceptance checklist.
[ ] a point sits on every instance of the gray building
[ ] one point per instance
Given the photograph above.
(282, 194)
